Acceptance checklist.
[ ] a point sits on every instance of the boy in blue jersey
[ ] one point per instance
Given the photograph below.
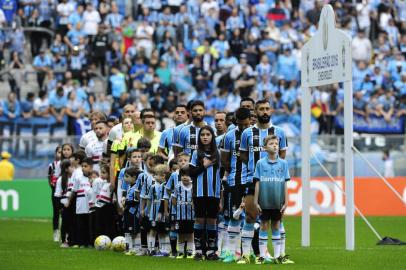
(184, 213)
(134, 159)
(188, 135)
(156, 212)
(166, 140)
(271, 198)
(252, 150)
(234, 190)
(131, 208)
(172, 182)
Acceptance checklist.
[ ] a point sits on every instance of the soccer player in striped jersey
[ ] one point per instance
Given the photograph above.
(205, 173)
(188, 136)
(249, 104)
(91, 135)
(131, 208)
(271, 198)
(165, 143)
(184, 213)
(220, 125)
(236, 182)
(156, 205)
(177, 130)
(173, 181)
(251, 150)
(96, 148)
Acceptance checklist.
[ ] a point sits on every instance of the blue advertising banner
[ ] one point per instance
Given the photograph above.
(375, 125)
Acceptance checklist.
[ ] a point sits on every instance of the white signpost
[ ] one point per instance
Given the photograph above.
(327, 59)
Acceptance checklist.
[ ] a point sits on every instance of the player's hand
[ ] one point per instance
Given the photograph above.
(142, 213)
(159, 217)
(259, 209)
(207, 162)
(123, 201)
(221, 208)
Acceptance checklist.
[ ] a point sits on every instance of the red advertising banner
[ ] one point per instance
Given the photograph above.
(372, 196)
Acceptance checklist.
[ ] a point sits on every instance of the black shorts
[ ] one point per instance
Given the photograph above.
(271, 214)
(131, 223)
(185, 226)
(249, 188)
(232, 199)
(206, 207)
(160, 226)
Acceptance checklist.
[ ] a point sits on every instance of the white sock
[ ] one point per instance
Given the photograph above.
(283, 239)
(276, 243)
(164, 245)
(137, 242)
(128, 241)
(246, 238)
(263, 243)
(151, 240)
(233, 235)
(220, 235)
(181, 247)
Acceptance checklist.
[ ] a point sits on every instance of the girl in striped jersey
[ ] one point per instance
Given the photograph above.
(184, 213)
(205, 173)
(61, 192)
(53, 174)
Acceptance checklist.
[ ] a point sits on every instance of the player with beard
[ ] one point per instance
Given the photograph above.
(251, 150)
(188, 135)
(96, 148)
(165, 144)
(91, 135)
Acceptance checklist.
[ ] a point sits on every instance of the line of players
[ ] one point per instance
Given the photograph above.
(206, 193)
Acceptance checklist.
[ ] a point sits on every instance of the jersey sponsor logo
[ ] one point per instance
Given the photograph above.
(257, 149)
(191, 146)
(271, 179)
(15, 199)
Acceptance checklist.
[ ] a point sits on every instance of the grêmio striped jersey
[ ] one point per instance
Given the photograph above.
(252, 141)
(184, 207)
(208, 182)
(238, 170)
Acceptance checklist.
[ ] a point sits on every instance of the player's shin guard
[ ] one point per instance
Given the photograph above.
(283, 239)
(246, 238)
(221, 235)
(173, 236)
(255, 240)
(199, 230)
(211, 238)
(276, 243)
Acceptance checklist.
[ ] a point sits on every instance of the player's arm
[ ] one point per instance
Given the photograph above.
(161, 147)
(285, 205)
(257, 177)
(225, 155)
(177, 144)
(283, 146)
(162, 153)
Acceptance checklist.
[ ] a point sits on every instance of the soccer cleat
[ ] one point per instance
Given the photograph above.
(161, 254)
(223, 255)
(198, 257)
(130, 252)
(142, 252)
(64, 245)
(230, 258)
(189, 255)
(285, 260)
(180, 256)
(262, 260)
(212, 257)
(245, 259)
(56, 235)
(75, 246)
(252, 257)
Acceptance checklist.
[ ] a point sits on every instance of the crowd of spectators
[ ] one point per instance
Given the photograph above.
(156, 53)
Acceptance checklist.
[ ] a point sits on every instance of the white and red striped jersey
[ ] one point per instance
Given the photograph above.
(87, 138)
(95, 150)
(81, 186)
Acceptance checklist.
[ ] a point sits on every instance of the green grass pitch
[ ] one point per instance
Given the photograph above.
(27, 244)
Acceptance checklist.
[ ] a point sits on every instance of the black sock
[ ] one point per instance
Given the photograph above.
(211, 238)
(173, 237)
(198, 236)
(255, 242)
